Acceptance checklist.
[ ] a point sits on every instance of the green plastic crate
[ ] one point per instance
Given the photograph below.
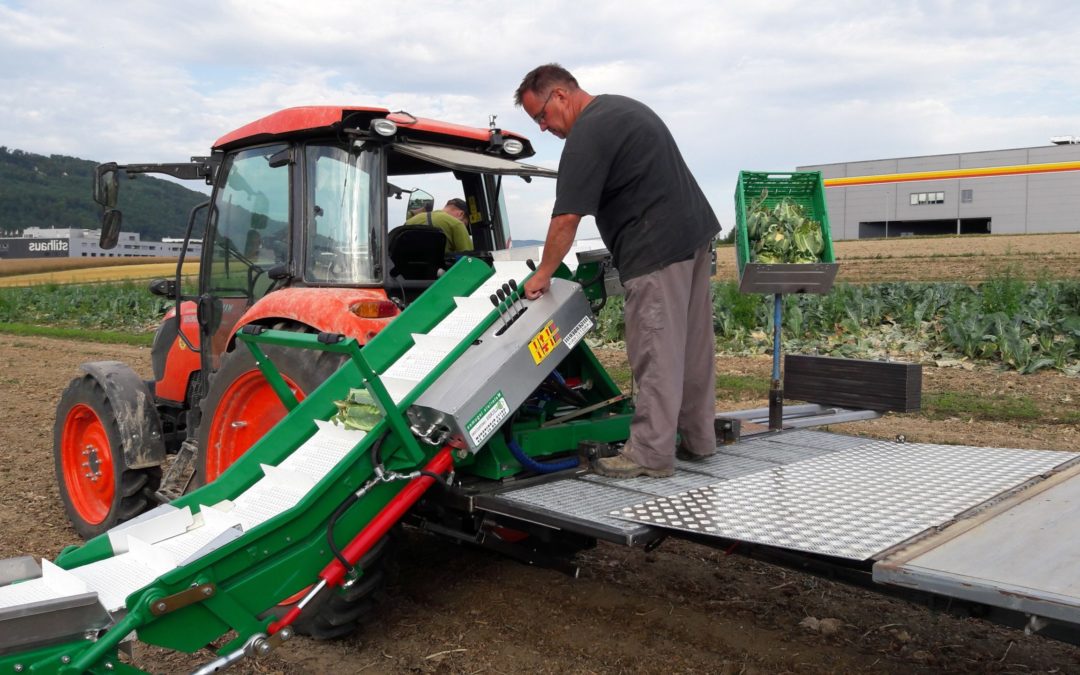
(806, 189)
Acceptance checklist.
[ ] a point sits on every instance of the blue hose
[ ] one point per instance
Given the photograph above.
(540, 467)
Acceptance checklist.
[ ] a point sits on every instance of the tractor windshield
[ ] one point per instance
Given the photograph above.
(342, 247)
(250, 217)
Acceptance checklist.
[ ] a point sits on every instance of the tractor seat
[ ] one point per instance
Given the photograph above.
(416, 251)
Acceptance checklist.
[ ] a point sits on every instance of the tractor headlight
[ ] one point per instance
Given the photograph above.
(383, 127)
(513, 146)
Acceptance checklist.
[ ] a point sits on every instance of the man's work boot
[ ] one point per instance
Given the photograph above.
(687, 456)
(621, 466)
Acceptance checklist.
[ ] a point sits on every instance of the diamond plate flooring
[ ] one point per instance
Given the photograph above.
(588, 503)
(847, 498)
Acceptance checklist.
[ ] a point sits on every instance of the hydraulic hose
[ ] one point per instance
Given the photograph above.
(540, 467)
(334, 573)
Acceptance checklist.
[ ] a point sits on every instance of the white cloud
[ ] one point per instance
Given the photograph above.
(768, 85)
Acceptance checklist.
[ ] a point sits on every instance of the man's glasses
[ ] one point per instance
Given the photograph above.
(541, 116)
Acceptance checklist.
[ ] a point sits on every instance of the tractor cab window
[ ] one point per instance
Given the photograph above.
(477, 178)
(342, 245)
(251, 216)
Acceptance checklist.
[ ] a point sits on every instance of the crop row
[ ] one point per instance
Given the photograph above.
(111, 306)
(1021, 325)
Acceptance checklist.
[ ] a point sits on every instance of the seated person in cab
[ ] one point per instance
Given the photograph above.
(452, 220)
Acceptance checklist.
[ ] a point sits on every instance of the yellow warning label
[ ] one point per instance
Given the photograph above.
(545, 342)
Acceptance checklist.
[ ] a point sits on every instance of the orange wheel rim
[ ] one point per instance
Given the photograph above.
(249, 408)
(86, 459)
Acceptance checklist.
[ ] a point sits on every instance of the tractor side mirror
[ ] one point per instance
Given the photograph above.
(419, 202)
(110, 228)
(106, 184)
(106, 193)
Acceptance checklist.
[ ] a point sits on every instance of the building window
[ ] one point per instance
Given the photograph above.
(967, 196)
(927, 198)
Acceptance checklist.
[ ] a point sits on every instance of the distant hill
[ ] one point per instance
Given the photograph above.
(55, 191)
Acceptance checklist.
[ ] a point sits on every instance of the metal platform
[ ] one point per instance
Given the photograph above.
(584, 503)
(991, 526)
(853, 503)
(810, 491)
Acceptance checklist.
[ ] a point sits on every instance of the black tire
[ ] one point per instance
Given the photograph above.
(238, 391)
(96, 486)
(337, 612)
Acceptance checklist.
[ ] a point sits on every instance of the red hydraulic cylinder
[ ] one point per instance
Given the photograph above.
(334, 573)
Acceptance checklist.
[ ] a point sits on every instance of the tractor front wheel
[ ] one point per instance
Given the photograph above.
(96, 485)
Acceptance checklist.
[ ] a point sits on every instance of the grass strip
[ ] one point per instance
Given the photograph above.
(741, 386)
(993, 407)
(103, 336)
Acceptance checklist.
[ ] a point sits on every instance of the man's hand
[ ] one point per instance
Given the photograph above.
(537, 285)
(560, 238)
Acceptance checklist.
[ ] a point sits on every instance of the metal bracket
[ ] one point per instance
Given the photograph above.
(274, 641)
(179, 475)
(583, 411)
(171, 603)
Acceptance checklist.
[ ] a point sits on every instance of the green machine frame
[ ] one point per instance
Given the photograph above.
(234, 587)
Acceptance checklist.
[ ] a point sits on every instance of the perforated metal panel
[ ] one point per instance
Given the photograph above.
(850, 503)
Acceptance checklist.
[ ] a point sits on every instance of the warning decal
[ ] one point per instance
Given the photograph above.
(487, 420)
(545, 342)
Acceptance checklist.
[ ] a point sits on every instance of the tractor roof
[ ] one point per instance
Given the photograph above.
(316, 120)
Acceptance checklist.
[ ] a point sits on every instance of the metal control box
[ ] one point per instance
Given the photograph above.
(478, 393)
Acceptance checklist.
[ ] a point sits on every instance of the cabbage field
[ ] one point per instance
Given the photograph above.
(1024, 326)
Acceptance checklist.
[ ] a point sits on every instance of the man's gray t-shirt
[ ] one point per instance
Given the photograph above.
(620, 164)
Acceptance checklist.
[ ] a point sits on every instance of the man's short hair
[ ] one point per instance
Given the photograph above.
(544, 78)
(459, 204)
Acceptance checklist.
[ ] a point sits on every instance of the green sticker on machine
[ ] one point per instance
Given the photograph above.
(487, 420)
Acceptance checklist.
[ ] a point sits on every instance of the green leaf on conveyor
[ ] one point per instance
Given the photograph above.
(357, 411)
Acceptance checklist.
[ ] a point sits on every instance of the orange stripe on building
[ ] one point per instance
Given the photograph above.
(983, 172)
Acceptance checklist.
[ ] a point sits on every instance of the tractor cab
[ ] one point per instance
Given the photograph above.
(316, 198)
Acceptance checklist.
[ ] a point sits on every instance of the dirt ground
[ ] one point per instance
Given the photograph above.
(968, 259)
(681, 608)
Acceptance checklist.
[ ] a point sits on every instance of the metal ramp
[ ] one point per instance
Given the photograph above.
(992, 526)
(1020, 554)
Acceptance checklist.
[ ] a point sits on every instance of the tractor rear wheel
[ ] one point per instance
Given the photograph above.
(96, 485)
(239, 409)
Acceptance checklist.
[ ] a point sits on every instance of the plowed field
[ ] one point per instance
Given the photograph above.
(682, 608)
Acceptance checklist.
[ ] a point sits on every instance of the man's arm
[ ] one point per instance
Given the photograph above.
(560, 237)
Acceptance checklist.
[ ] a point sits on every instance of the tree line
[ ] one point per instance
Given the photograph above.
(56, 191)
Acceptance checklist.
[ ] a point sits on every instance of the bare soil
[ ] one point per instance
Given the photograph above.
(681, 608)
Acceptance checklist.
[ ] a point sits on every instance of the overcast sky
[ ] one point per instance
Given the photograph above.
(747, 85)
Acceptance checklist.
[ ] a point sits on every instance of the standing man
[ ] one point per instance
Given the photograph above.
(620, 164)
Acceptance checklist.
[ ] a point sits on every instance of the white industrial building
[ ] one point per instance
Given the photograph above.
(1018, 191)
(71, 242)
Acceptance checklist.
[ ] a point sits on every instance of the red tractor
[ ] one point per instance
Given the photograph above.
(297, 234)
